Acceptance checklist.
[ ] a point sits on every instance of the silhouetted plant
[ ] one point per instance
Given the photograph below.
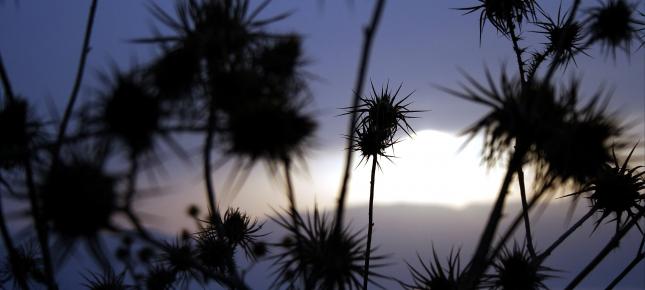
(614, 25)
(106, 281)
(18, 132)
(324, 258)
(565, 38)
(434, 275)
(23, 268)
(503, 13)
(516, 269)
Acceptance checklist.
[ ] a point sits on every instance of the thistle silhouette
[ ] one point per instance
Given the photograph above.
(434, 275)
(614, 25)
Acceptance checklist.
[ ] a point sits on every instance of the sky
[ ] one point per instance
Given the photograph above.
(420, 45)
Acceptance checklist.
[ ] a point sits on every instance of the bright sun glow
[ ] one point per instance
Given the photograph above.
(430, 167)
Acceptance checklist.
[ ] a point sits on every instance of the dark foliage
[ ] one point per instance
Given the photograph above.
(516, 269)
(614, 25)
(435, 276)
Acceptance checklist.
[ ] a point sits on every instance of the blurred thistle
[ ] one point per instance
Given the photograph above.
(178, 257)
(515, 269)
(616, 190)
(160, 278)
(614, 25)
(503, 13)
(130, 112)
(435, 276)
(213, 251)
(106, 281)
(79, 200)
(17, 132)
(568, 142)
(324, 258)
(241, 230)
(23, 267)
(565, 38)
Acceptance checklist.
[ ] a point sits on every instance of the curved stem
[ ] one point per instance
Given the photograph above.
(370, 224)
(612, 244)
(208, 171)
(369, 33)
(77, 84)
(525, 213)
(6, 84)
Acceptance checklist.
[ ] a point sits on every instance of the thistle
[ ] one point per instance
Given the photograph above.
(617, 191)
(241, 231)
(503, 13)
(614, 25)
(565, 38)
(23, 267)
(434, 275)
(324, 259)
(106, 281)
(516, 269)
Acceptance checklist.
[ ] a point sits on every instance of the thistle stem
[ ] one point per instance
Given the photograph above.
(370, 224)
(525, 213)
(480, 260)
(77, 84)
(639, 258)
(518, 52)
(208, 171)
(369, 33)
(293, 212)
(6, 84)
(612, 244)
(566, 234)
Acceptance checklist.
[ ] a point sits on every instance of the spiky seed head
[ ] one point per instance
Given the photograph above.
(565, 38)
(272, 132)
(212, 250)
(436, 276)
(240, 229)
(502, 12)
(160, 278)
(78, 198)
(516, 269)
(329, 259)
(614, 25)
(131, 113)
(178, 256)
(617, 190)
(24, 267)
(106, 281)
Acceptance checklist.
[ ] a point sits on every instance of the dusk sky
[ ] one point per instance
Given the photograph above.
(420, 44)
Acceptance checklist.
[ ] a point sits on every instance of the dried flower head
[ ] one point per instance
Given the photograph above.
(213, 251)
(130, 112)
(23, 267)
(106, 281)
(565, 38)
(179, 258)
(160, 278)
(516, 269)
(315, 254)
(502, 13)
(241, 230)
(379, 118)
(614, 25)
(435, 276)
(616, 190)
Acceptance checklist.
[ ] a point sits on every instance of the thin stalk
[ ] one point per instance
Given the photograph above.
(369, 33)
(370, 224)
(77, 83)
(518, 52)
(6, 236)
(41, 229)
(6, 84)
(566, 234)
(612, 244)
(480, 260)
(525, 213)
(208, 171)
(518, 219)
(293, 212)
(639, 258)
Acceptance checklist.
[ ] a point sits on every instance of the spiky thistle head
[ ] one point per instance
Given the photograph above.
(213, 251)
(316, 254)
(79, 198)
(160, 278)
(565, 38)
(515, 269)
(241, 230)
(379, 117)
(23, 267)
(106, 281)
(614, 25)
(436, 276)
(616, 190)
(503, 13)
(179, 257)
